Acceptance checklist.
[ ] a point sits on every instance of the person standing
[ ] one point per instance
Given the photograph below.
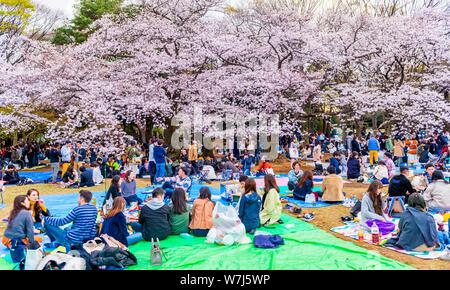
(193, 156)
(79, 155)
(54, 156)
(373, 145)
(160, 159)
(412, 146)
(399, 153)
(133, 156)
(151, 159)
(66, 157)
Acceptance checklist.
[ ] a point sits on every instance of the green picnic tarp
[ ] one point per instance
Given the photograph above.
(306, 248)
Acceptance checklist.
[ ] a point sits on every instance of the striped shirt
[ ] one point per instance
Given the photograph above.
(83, 219)
(181, 183)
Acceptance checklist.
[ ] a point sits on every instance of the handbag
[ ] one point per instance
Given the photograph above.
(94, 245)
(156, 254)
(111, 242)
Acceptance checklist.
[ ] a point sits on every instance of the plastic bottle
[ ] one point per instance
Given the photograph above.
(375, 234)
(361, 235)
(94, 201)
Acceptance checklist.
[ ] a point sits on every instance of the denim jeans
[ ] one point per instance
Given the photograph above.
(137, 227)
(55, 169)
(168, 188)
(200, 232)
(160, 170)
(291, 185)
(133, 198)
(56, 234)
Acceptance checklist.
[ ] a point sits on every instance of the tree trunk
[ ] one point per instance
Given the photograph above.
(374, 122)
(143, 133)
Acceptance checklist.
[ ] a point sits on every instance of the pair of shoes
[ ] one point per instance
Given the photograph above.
(347, 218)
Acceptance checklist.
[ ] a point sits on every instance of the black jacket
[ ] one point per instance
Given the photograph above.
(12, 177)
(53, 155)
(399, 185)
(113, 192)
(86, 178)
(155, 223)
(353, 168)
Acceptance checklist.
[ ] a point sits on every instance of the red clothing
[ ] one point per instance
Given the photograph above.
(264, 166)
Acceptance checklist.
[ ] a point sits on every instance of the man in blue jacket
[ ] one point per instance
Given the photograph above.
(373, 146)
(334, 161)
(159, 154)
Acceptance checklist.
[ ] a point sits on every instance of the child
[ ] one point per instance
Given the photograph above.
(250, 206)
(202, 211)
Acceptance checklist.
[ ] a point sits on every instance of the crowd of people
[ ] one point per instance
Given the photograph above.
(168, 212)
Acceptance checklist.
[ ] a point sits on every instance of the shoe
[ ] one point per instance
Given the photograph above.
(347, 218)
(280, 222)
(308, 217)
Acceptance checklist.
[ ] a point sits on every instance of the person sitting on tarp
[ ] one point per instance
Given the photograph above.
(332, 186)
(179, 212)
(417, 228)
(37, 206)
(11, 176)
(86, 177)
(335, 161)
(304, 186)
(202, 211)
(96, 173)
(372, 205)
(354, 166)
(154, 219)
(271, 203)
(83, 219)
(115, 224)
(19, 233)
(112, 166)
(144, 168)
(381, 172)
(429, 169)
(182, 180)
(128, 188)
(264, 167)
(437, 194)
(250, 206)
(400, 184)
(294, 175)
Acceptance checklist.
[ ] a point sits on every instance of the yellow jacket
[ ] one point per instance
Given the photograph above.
(272, 208)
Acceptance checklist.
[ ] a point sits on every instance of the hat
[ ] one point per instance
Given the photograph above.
(403, 168)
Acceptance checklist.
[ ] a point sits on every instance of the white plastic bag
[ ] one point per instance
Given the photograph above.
(33, 258)
(227, 227)
(310, 198)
